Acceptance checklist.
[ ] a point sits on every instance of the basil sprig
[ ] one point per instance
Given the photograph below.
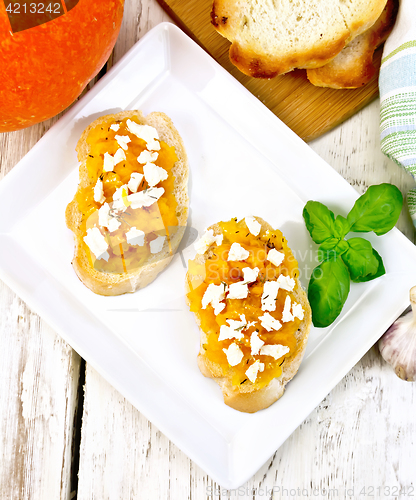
(354, 259)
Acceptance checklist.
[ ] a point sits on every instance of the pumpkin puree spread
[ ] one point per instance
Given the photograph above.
(129, 200)
(256, 330)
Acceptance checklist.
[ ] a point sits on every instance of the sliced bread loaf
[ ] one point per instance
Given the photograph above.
(272, 37)
(354, 67)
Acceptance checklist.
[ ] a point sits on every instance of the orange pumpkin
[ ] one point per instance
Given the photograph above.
(43, 69)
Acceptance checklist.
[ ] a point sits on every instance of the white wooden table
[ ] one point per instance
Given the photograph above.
(66, 433)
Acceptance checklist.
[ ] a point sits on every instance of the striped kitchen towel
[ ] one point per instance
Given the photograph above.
(397, 84)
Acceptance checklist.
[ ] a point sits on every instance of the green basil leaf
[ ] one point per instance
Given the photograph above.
(329, 244)
(341, 247)
(319, 221)
(328, 290)
(341, 227)
(376, 210)
(380, 270)
(330, 251)
(326, 254)
(360, 259)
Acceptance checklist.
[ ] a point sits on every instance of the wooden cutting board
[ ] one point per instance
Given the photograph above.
(308, 110)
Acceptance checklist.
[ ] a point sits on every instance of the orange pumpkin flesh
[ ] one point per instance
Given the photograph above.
(45, 68)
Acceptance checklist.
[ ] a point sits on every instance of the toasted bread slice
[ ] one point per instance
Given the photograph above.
(272, 38)
(353, 67)
(135, 277)
(248, 396)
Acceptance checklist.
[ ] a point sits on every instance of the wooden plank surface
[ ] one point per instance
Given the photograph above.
(360, 437)
(39, 374)
(308, 110)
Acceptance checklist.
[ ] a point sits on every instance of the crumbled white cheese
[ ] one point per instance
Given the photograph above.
(297, 311)
(147, 156)
(268, 298)
(253, 370)
(276, 351)
(115, 127)
(271, 289)
(226, 332)
(111, 161)
(253, 226)
(120, 192)
(119, 205)
(237, 325)
(255, 343)
(213, 295)
(287, 315)
(119, 156)
(275, 257)
(144, 132)
(218, 307)
(237, 252)
(206, 240)
(134, 182)
(250, 275)
(237, 291)
(97, 243)
(235, 328)
(286, 283)
(106, 218)
(108, 162)
(234, 354)
(135, 236)
(231, 332)
(154, 174)
(99, 192)
(145, 198)
(104, 215)
(147, 133)
(242, 321)
(157, 244)
(269, 323)
(153, 145)
(122, 141)
(113, 224)
(120, 198)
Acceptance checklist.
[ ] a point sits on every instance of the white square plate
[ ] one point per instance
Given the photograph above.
(243, 161)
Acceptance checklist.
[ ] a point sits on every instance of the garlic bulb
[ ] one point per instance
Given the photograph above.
(398, 345)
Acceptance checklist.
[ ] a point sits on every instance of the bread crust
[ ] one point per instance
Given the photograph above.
(252, 64)
(249, 397)
(253, 55)
(354, 67)
(117, 284)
